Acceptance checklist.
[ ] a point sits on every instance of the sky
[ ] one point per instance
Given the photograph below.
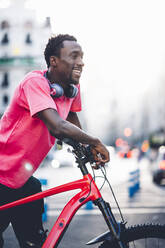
(123, 43)
(123, 39)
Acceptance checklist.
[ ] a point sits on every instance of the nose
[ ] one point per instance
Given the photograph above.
(80, 62)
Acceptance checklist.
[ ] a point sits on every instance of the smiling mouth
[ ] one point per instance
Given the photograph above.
(77, 72)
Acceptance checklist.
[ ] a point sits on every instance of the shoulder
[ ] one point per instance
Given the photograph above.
(34, 75)
(34, 78)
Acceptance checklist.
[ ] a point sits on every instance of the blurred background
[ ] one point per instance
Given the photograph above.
(123, 95)
(124, 73)
(123, 83)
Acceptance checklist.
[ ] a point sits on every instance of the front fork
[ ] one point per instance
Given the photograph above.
(110, 220)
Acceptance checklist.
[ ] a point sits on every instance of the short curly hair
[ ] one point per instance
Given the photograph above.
(55, 43)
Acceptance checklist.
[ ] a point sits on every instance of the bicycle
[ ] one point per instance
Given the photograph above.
(118, 234)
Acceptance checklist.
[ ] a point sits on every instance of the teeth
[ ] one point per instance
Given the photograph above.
(77, 72)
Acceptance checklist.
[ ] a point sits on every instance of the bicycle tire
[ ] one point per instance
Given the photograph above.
(140, 233)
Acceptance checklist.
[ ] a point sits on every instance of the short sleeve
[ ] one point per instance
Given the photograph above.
(37, 95)
(76, 104)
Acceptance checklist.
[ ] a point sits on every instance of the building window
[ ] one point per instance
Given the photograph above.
(47, 22)
(28, 39)
(5, 39)
(5, 100)
(28, 24)
(5, 24)
(5, 81)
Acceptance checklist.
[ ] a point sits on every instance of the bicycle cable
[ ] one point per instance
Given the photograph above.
(94, 178)
(90, 189)
(104, 174)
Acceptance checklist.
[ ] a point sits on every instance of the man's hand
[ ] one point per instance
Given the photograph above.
(101, 155)
(62, 129)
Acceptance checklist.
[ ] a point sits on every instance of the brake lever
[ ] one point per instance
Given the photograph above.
(89, 154)
(80, 151)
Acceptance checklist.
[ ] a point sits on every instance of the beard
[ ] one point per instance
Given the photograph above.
(73, 80)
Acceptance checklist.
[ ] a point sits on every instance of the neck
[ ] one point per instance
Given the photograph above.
(54, 77)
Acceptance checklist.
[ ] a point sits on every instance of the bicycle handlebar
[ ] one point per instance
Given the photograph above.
(81, 152)
(70, 142)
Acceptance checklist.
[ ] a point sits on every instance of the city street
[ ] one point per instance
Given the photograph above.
(147, 205)
(93, 73)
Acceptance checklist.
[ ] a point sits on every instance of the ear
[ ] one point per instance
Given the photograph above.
(53, 61)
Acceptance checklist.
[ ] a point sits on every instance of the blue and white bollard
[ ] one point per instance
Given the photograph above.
(133, 182)
(137, 180)
(44, 183)
(89, 205)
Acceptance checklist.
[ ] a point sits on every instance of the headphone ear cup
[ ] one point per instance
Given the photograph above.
(71, 91)
(56, 90)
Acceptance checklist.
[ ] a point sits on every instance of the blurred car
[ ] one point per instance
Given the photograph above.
(63, 158)
(158, 167)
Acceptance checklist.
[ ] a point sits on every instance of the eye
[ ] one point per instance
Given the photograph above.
(74, 55)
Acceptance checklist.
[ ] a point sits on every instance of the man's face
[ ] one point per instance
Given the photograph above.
(70, 64)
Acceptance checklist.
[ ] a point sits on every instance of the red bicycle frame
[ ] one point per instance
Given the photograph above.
(89, 192)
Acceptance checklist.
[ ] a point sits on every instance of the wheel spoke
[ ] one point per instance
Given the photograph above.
(134, 244)
(145, 243)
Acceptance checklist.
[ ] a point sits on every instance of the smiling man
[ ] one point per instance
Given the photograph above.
(43, 108)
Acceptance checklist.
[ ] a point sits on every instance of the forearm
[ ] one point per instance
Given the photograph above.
(73, 118)
(64, 129)
(68, 130)
(61, 129)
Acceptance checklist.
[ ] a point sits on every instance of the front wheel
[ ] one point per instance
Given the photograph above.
(141, 236)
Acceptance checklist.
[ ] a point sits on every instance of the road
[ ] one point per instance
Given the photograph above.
(147, 205)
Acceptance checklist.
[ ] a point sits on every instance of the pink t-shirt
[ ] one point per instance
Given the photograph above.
(24, 138)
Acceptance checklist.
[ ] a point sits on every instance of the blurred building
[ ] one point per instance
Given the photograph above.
(156, 110)
(22, 42)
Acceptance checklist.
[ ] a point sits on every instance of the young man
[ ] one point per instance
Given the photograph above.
(43, 108)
